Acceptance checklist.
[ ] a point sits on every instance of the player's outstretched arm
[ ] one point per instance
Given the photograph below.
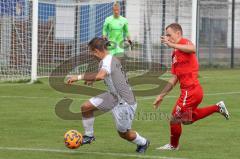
(171, 83)
(88, 77)
(187, 48)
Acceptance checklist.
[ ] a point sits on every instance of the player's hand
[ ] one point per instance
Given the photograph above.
(158, 101)
(72, 79)
(130, 43)
(165, 40)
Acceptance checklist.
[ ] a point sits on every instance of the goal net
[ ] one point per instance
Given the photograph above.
(65, 28)
(15, 40)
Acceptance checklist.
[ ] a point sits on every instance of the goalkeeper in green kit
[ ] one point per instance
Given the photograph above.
(115, 29)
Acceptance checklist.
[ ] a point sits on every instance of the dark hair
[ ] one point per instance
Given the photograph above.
(98, 43)
(175, 27)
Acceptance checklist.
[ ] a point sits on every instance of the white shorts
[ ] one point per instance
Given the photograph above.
(122, 112)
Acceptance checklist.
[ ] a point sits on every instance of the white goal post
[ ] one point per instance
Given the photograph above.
(34, 41)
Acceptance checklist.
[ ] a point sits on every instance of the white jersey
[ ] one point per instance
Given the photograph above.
(116, 79)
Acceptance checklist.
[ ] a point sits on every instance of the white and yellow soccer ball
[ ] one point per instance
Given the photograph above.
(73, 139)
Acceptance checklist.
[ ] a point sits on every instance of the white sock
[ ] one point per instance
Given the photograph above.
(88, 125)
(139, 140)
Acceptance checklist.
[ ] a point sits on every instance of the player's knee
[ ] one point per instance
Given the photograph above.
(86, 108)
(175, 120)
(183, 120)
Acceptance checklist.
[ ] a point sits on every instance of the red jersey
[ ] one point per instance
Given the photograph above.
(185, 66)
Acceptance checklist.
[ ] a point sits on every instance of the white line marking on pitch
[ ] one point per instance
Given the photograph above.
(79, 152)
(138, 98)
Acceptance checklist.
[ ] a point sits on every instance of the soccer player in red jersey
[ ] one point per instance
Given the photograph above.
(185, 71)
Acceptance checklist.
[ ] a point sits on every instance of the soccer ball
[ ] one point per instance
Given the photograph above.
(73, 139)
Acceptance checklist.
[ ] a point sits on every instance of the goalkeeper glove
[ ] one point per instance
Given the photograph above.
(131, 44)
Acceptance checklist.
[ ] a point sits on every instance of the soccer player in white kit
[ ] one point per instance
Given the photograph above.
(119, 99)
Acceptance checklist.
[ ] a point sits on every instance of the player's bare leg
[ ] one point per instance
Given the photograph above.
(134, 137)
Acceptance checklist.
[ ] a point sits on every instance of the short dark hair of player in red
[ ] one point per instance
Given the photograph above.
(175, 27)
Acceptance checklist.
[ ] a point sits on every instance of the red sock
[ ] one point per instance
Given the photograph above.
(200, 113)
(176, 131)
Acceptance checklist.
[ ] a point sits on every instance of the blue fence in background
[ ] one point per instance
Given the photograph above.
(10, 7)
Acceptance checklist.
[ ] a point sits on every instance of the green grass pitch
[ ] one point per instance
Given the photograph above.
(30, 129)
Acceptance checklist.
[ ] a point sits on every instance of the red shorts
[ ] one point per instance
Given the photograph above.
(189, 99)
